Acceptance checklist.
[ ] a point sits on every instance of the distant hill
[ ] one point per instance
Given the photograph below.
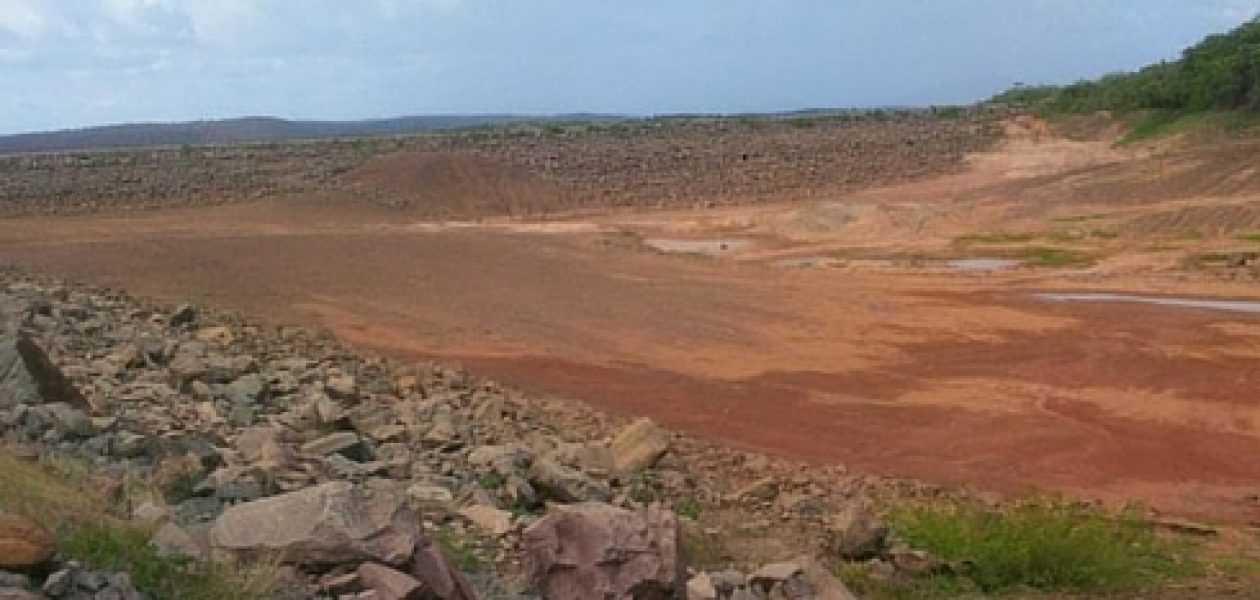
(1222, 72)
(254, 129)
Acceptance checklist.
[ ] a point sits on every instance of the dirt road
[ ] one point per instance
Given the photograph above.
(926, 372)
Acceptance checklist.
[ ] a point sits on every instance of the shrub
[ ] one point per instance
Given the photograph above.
(1044, 545)
(59, 496)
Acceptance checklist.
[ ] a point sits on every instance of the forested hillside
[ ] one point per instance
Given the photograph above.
(1222, 72)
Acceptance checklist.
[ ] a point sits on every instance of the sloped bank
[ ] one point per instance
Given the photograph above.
(364, 478)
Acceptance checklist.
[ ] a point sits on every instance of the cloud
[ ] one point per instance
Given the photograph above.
(22, 18)
(223, 21)
(1237, 11)
(135, 15)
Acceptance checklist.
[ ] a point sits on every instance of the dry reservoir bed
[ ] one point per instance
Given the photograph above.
(932, 373)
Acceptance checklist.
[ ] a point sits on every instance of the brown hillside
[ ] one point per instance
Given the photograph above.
(454, 185)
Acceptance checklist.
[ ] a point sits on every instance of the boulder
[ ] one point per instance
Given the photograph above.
(68, 421)
(701, 587)
(171, 540)
(332, 523)
(566, 485)
(800, 579)
(494, 521)
(639, 446)
(505, 459)
(439, 579)
(387, 583)
(18, 594)
(856, 533)
(27, 376)
(594, 550)
(184, 314)
(24, 543)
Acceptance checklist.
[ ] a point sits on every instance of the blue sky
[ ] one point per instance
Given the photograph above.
(66, 63)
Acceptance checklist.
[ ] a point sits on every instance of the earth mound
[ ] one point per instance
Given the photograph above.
(455, 185)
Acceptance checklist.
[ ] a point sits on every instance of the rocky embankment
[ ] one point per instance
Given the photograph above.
(654, 163)
(378, 479)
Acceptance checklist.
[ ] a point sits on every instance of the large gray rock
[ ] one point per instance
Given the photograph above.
(856, 533)
(332, 523)
(437, 577)
(567, 485)
(594, 550)
(799, 579)
(28, 377)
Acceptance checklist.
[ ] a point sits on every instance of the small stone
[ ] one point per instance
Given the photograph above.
(701, 587)
(183, 315)
(855, 533)
(388, 583)
(342, 387)
(639, 446)
(220, 335)
(492, 520)
(431, 497)
(24, 543)
(171, 540)
(335, 442)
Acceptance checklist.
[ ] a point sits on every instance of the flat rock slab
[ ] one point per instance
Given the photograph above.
(333, 523)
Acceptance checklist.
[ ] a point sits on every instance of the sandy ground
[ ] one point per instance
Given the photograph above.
(885, 359)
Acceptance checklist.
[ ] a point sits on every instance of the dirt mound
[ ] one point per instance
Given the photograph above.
(455, 185)
(1211, 219)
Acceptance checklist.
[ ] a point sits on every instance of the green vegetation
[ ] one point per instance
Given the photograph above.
(490, 481)
(995, 238)
(1080, 218)
(688, 507)
(1042, 545)
(1043, 256)
(1222, 72)
(460, 549)
(58, 496)
(1219, 76)
(1250, 237)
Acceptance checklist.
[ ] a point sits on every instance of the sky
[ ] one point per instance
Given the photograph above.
(72, 63)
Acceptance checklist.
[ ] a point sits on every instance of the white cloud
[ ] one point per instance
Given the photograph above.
(1237, 11)
(133, 14)
(222, 21)
(22, 18)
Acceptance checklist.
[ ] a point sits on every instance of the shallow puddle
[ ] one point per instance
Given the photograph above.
(982, 264)
(809, 262)
(711, 247)
(1243, 306)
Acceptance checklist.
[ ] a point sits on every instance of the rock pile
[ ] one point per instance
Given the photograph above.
(369, 477)
(668, 163)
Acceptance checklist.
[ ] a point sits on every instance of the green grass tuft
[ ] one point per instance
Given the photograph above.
(1042, 256)
(60, 497)
(1045, 545)
(995, 238)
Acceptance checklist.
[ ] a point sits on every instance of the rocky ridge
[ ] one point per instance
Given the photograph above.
(678, 163)
(365, 474)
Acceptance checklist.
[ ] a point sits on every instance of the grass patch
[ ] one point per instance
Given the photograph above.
(688, 507)
(1148, 125)
(995, 238)
(1044, 545)
(60, 498)
(1042, 256)
(1251, 237)
(1080, 218)
(460, 550)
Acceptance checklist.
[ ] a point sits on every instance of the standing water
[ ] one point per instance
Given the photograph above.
(1243, 306)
